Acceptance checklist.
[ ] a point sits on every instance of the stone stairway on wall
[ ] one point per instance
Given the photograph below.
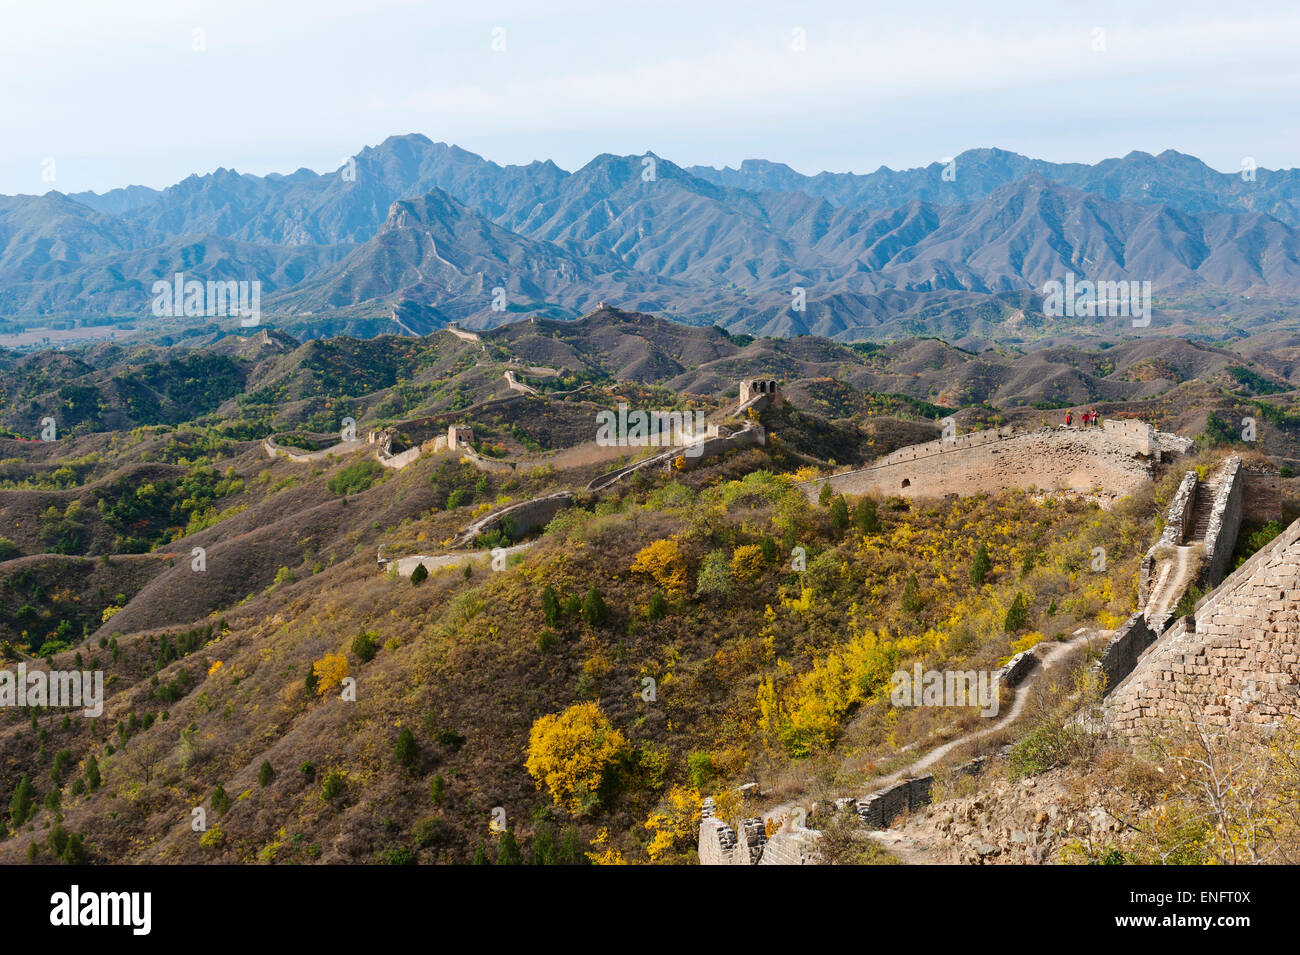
(1206, 491)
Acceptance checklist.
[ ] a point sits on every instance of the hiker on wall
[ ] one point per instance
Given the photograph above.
(1069, 419)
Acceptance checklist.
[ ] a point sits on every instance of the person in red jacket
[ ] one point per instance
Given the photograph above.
(1069, 419)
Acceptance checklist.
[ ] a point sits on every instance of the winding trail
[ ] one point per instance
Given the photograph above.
(1050, 656)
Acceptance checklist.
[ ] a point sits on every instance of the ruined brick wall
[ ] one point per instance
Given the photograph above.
(792, 846)
(1225, 521)
(720, 845)
(1235, 660)
(1265, 497)
(1137, 434)
(1120, 655)
(523, 516)
(1178, 525)
(1073, 459)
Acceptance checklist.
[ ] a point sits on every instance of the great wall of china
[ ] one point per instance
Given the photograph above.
(1108, 462)
(1236, 657)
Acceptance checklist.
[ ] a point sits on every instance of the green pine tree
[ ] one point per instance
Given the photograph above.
(220, 801)
(593, 607)
(839, 514)
(912, 602)
(550, 606)
(980, 565)
(406, 752)
(865, 517)
(1017, 615)
(20, 804)
(508, 852)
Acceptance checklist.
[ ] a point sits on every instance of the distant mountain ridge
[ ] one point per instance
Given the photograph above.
(434, 231)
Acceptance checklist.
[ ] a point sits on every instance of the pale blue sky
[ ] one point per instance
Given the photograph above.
(115, 93)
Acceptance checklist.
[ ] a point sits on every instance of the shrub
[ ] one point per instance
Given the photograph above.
(20, 804)
(365, 645)
(714, 577)
(912, 601)
(839, 514)
(437, 787)
(355, 477)
(220, 801)
(1045, 747)
(747, 562)
(508, 852)
(265, 774)
(658, 607)
(980, 566)
(700, 767)
(330, 671)
(428, 831)
(459, 498)
(332, 785)
(663, 561)
(420, 574)
(865, 518)
(550, 606)
(594, 610)
(406, 752)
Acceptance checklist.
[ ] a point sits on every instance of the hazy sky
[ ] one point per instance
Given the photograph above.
(149, 91)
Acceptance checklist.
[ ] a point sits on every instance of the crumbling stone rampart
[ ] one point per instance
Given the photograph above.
(1235, 659)
(1082, 460)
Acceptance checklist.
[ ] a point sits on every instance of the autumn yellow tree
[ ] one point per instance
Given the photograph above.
(672, 826)
(606, 852)
(570, 753)
(747, 561)
(663, 561)
(330, 671)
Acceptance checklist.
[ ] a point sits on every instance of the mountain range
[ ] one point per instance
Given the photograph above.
(410, 235)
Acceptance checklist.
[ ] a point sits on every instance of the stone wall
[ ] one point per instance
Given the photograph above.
(1178, 525)
(1236, 659)
(793, 845)
(1121, 653)
(1225, 522)
(882, 807)
(523, 516)
(1137, 434)
(710, 447)
(720, 845)
(1055, 459)
(1265, 496)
